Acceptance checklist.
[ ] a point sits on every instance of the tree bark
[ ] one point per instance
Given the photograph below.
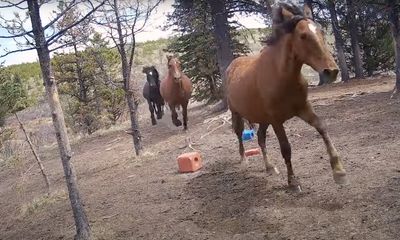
(355, 46)
(81, 221)
(344, 71)
(394, 16)
(129, 91)
(223, 40)
(35, 154)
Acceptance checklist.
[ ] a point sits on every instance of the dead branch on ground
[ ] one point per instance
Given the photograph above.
(35, 154)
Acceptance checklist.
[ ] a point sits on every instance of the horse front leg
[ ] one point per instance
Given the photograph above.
(261, 137)
(286, 152)
(184, 115)
(159, 111)
(309, 116)
(174, 116)
(151, 109)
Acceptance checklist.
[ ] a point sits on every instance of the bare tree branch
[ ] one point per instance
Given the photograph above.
(29, 33)
(59, 47)
(149, 10)
(60, 15)
(18, 50)
(62, 31)
(10, 4)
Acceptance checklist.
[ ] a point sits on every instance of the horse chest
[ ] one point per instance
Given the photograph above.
(176, 94)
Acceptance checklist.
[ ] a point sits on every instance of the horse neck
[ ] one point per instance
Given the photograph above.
(287, 64)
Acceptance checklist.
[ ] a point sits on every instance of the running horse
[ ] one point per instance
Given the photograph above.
(176, 89)
(151, 92)
(269, 88)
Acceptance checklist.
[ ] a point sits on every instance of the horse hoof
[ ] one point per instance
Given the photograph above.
(178, 123)
(340, 178)
(272, 170)
(244, 161)
(153, 123)
(295, 188)
(294, 184)
(159, 117)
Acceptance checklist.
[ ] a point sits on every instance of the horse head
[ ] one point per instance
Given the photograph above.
(308, 41)
(152, 76)
(174, 68)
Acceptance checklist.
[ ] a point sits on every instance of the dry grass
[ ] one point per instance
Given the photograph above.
(13, 152)
(42, 202)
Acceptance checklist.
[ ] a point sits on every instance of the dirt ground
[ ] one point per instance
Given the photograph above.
(146, 198)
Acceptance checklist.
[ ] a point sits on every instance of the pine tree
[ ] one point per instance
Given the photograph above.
(93, 98)
(196, 45)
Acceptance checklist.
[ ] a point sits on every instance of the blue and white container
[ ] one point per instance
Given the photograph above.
(248, 134)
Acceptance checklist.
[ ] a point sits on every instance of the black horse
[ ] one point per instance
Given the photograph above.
(151, 92)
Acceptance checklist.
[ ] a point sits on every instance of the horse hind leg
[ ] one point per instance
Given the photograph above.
(261, 136)
(238, 127)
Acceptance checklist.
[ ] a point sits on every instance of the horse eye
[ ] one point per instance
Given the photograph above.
(303, 36)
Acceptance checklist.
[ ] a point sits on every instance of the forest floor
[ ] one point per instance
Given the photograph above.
(145, 197)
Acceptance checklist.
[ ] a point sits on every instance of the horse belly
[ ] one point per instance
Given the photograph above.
(246, 102)
(146, 91)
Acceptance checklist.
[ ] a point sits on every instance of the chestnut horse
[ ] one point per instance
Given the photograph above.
(269, 88)
(176, 90)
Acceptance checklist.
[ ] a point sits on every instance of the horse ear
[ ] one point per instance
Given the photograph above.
(144, 70)
(287, 15)
(307, 11)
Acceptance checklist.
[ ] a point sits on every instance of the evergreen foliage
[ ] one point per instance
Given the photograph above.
(196, 47)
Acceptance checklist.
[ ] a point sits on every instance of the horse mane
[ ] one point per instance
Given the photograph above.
(280, 26)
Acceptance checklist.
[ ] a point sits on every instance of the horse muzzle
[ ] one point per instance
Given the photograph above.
(178, 79)
(328, 76)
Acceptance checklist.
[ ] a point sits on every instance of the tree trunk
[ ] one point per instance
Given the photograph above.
(223, 40)
(212, 87)
(79, 74)
(344, 71)
(133, 107)
(126, 76)
(81, 221)
(268, 6)
(35, 154)
(355, 46)
(394, 16)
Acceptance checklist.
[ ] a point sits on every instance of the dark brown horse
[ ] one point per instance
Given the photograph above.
(269, 88)
(176, 89)
(151, 92)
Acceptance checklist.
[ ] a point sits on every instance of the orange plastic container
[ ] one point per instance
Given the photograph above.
(252, 152)
(189, 162)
